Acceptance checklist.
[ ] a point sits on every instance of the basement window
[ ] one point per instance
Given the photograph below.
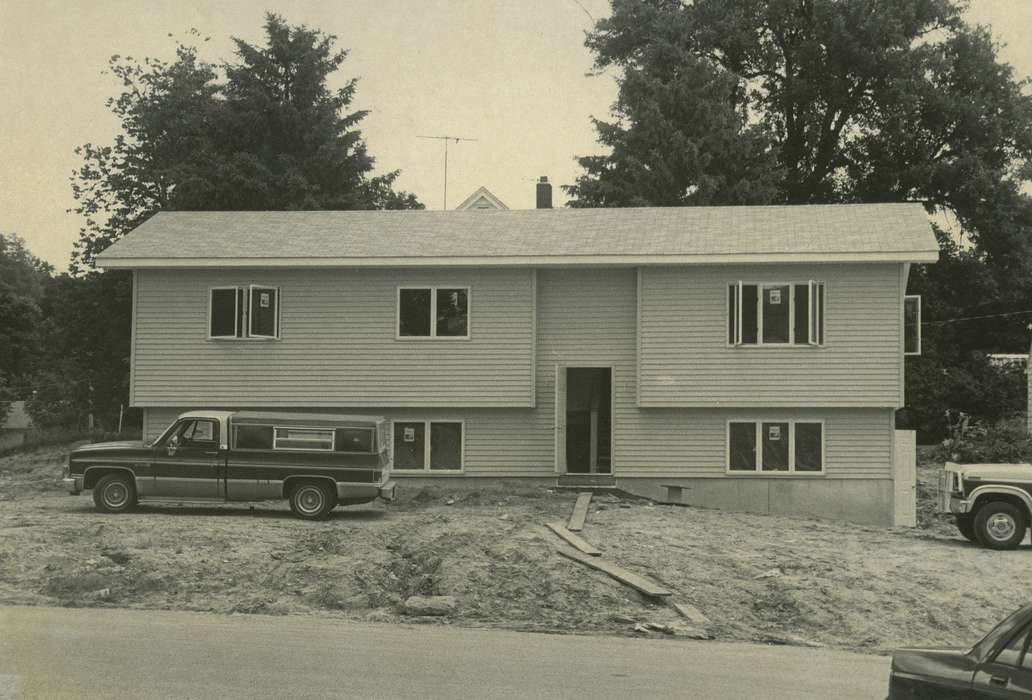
(775, 446)
(789, 313)
(433, 312)
(238, 313)
(428, 446)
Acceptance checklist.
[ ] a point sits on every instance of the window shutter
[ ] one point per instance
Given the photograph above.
(912, 325)
(738, 313)
(816, 325)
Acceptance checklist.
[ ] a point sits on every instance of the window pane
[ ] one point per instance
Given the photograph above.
(263, 312)
(776, 304)
(253, 437)
(912, 325)
(743, 446)
(775, 446)
(354, 440)
(808, 447)
(445, 445)
(223, 313)
(750, 298)
(414, 314)
(452, 313)
(303, 439)
(409, 440)
(732, 312)
(802, 314)
(1011, 654)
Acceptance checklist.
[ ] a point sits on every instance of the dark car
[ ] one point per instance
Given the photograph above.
(999, 666)
(315, 461)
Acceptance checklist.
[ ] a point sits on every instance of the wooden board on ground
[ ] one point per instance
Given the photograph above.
(574, 539)
(580, 511)
(650, 588)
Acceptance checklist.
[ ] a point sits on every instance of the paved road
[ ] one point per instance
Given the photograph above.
(66, 653)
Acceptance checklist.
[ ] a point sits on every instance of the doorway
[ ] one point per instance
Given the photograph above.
(588, 420)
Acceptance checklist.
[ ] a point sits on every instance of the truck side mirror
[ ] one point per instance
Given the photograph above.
(173, 445)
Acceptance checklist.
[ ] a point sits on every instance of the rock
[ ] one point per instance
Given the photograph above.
(690, 613)
(641, 629)
(623, 619)
(102, 594)
(449, 502)
(430, 605)
(771, 573)
(503, 516)
(657, 627)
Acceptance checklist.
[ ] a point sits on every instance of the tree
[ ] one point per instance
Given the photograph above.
(22, 279)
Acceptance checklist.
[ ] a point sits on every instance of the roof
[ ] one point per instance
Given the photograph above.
(17, 418)
(538, 237)
(482, 199)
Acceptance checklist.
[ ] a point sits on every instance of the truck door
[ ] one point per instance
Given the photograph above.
(186, 465)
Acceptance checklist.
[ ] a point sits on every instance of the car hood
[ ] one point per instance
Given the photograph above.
(995, 472)
(945, 663)
(101, 446)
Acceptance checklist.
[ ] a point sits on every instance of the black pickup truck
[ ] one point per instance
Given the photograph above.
(315, 461)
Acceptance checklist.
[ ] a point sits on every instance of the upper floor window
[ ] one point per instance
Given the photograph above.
(912, 325)
(243, 312)
(776, 313)
(433, 312)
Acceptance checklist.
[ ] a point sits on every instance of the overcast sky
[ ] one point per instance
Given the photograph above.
(509, 74)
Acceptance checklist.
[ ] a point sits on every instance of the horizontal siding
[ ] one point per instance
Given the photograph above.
(685, 359)
(586, 318)
(338, 343)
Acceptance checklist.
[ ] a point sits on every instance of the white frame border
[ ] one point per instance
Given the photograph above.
(426, 470)
(811, 285)
(333, 439)
(758, 470)
(433, 312)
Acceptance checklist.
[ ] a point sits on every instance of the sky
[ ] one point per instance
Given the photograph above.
(514, 76)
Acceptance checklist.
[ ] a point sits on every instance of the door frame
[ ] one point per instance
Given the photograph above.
(559, 414)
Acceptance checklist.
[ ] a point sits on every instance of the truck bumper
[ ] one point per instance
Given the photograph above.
(73, 484)
(363, 493)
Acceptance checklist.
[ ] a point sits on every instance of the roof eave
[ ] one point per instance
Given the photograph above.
(130, 263)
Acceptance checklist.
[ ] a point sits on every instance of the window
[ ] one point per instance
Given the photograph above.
(354, 440)
(775, 313)
(413, 451)
(1011, 655)
(243, 312)
(253, 437)
(303, 439)
(775, 446)
(198, 433)
(433, 312)
(912, 325)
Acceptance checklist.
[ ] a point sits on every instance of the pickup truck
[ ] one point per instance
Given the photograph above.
(992, 503)
(315, 461)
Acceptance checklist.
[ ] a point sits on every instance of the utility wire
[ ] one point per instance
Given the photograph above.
(973, 318)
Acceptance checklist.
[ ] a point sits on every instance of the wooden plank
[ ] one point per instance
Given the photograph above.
(574, 539)
(580, 512)
(624, 576)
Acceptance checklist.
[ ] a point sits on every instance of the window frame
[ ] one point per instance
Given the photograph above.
(817, 290)
(427, 444)
(758, 466)
(432, 288)
(276, 438)
(245, 323)
(903, 330)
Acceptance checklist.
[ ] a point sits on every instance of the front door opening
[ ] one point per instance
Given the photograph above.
(589, 420)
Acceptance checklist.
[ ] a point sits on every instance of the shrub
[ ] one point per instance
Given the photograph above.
(974, 441)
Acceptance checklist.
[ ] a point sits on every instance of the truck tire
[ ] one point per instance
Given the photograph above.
(966, 526)
(1000, 525)
(114, 493)
(312, 500)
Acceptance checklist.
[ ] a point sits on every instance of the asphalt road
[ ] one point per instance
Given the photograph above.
(96, 653)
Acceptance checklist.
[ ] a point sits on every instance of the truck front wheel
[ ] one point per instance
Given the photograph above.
(114, 493)
(966, 526)
(1000, 525)
(312, 500)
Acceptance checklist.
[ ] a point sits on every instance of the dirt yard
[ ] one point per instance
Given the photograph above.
(756, 577)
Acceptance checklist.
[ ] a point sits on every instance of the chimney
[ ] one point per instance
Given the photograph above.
(544, 193)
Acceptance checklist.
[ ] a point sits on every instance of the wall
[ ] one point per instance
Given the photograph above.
(685, 359)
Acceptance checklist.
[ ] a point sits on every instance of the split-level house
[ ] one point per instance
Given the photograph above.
(736, 357)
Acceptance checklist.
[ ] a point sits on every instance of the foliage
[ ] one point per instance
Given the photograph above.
(977, 442)
(270, 135)
(22, 278)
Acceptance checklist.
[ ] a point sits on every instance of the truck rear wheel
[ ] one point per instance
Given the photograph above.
(966, 526)
(114, 493)
(311, 500)
(1000, 525)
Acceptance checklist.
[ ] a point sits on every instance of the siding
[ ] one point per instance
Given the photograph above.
(685, 360)
(338, 345)
(588, 318)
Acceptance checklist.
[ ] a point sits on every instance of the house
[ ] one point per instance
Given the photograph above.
(14, 429)
(751, 357)
(482, 199)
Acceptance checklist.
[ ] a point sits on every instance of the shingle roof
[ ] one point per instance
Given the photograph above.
(884, 232)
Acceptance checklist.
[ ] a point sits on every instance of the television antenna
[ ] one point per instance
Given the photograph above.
(446, 139)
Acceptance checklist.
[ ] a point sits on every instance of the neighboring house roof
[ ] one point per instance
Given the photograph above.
(17, 418)
(482, 199)
(633, 236)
